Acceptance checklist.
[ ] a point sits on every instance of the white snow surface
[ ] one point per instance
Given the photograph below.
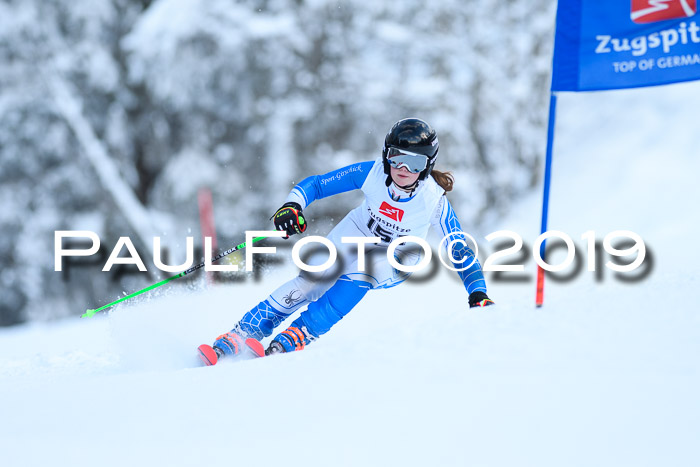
(605, 374)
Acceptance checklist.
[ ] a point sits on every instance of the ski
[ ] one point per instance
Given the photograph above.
(207, 354)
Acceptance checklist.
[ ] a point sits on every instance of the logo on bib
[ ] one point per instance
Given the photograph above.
(391, 212)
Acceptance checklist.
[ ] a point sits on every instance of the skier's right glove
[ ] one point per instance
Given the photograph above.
(290, 219)
(479, 299)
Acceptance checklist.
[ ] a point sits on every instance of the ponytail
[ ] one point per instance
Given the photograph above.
(444, 179)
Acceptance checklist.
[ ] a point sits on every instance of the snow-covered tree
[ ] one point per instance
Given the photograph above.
(116, 112)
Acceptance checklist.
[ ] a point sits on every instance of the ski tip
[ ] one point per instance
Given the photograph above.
(255, 346)
(207, 354)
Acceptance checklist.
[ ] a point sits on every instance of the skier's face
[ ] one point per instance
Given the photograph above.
(402, 177)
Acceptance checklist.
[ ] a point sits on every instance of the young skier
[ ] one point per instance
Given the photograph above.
(404, 196)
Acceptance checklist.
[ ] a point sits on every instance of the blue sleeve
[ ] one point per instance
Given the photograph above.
(447, 224)
(316, 187)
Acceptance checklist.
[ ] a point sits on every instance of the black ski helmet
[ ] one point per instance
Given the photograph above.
(413, 135)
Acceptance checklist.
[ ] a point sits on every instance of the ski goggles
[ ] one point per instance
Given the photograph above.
(413, 162)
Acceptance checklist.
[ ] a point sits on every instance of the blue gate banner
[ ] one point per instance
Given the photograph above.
(613, 44)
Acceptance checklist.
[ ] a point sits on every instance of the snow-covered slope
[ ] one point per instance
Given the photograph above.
(605, 374)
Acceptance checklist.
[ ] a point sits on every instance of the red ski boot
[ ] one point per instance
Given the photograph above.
(230, 344)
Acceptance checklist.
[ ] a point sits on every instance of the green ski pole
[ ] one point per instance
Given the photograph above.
(89, 313)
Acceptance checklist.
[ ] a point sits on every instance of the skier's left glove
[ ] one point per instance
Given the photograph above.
(290, 219)
(479, 299)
